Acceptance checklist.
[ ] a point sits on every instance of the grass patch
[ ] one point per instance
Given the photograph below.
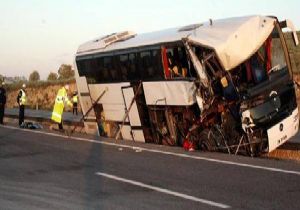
(38, 84)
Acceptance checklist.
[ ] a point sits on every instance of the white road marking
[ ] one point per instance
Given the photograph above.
(166, 191)
(163, 152)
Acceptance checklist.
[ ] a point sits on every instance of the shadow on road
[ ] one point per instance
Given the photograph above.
(94, 186)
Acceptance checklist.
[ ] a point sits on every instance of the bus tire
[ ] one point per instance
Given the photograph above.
(206, 143)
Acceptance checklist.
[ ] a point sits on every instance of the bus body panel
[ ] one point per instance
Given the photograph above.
(138, 135)
(133, 115)
(112, 101)
(284, 130)
(113, 94)
(114, 112)
(126, 132)
(91, 126)
(174, 93)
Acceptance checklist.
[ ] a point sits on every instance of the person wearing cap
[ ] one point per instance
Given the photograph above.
(75, 102)
(21, 99)
(2, 101)
(60, 101)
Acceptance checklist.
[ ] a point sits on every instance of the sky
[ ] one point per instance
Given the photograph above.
(43, 34)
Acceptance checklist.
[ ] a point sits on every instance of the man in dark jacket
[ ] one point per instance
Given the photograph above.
(2, 101)
(21, 99)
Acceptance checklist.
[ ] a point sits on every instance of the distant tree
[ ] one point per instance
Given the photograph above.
(34, 76)
(52, 76)
(65, 72)
(1, 78)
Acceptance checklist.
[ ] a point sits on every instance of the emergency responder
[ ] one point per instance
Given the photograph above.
(60, 101)
(2, 101)
(75, 102)
(21, 99)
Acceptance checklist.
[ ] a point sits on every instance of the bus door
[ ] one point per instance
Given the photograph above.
(134, 116)
(90, 122)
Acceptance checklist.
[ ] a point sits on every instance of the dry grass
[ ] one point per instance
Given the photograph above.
(41, 96)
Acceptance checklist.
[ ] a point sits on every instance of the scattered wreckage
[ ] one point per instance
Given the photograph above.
(225, 85)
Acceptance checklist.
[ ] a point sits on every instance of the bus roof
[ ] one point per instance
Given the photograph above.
(234, 39)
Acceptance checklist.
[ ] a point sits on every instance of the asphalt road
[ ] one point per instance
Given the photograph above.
(48, 171)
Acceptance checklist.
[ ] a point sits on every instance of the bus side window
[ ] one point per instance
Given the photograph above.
(89, 71)
(157, 65)
(145, 65)
(115, 69)
(103, 72)
(183, 62)
(151, 65)
(174, 65)
(123, 61)
(132, 67)
(109, 67)
(170, 57)
(179, 65)
(86, 69)
(81, 68)
(94, 74)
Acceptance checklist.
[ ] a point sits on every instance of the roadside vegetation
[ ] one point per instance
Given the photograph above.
(40, 93)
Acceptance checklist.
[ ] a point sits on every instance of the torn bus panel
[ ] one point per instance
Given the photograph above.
(224, 85)
(254, 103)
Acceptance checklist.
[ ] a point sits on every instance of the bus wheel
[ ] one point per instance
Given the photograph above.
(206, 142)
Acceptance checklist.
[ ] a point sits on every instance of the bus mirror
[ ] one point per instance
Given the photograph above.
(289, 24)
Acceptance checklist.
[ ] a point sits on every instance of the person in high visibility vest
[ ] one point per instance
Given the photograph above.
(21, 99)
(75, 102)
(60, 101)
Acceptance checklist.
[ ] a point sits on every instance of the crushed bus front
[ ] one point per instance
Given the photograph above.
(252, 106)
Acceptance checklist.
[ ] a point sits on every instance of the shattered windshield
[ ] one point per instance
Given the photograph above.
(265, 66)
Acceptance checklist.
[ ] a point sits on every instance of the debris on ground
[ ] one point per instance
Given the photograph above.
(31, 125)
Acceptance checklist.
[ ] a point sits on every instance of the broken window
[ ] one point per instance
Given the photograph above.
(178, 64)
(277, 53)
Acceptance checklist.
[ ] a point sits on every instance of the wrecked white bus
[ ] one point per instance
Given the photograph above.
(225, 85)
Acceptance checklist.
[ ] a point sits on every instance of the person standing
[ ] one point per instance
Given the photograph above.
(21, 99)
(75, 102)
(2, 101)
(60, 101)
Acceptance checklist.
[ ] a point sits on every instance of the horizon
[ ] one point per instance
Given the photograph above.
(43, 35)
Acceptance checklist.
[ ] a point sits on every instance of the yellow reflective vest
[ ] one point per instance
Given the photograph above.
(60, 100)
(75, 99)
(22, 99)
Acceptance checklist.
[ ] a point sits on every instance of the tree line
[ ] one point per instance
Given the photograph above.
(64, 72)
